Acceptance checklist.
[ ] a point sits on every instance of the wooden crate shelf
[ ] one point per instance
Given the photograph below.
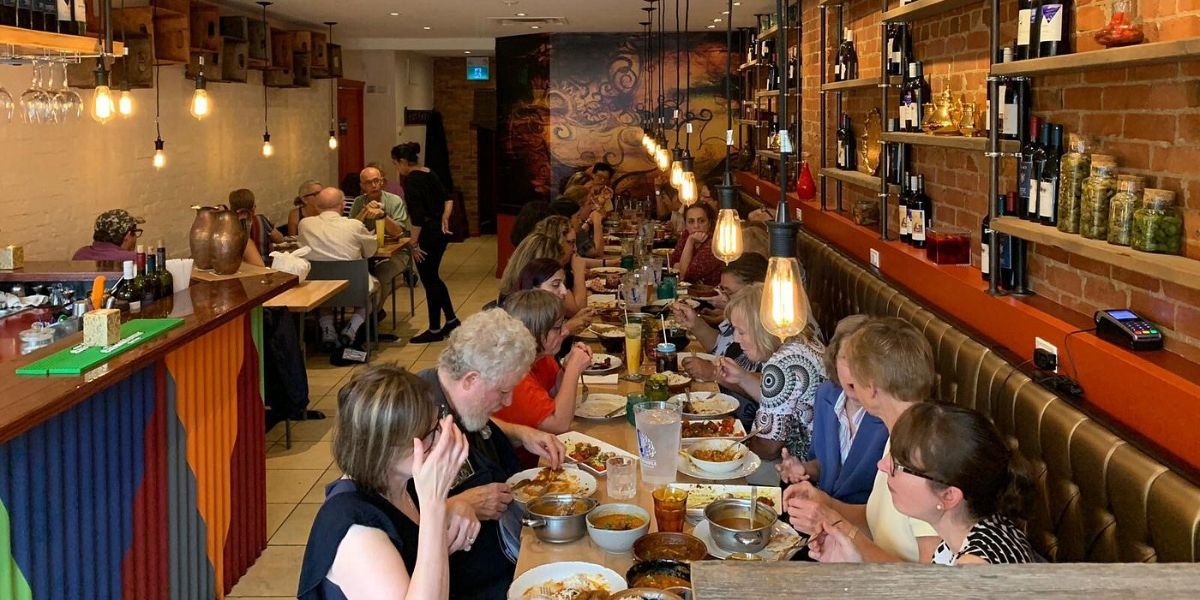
(855, 178)
(923, 9)
(1111, 58)
(978, 144)
(1176, 269)
(204, 26)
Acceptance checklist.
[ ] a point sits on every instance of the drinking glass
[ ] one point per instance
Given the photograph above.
(670, 508)
(31, 98)
(70, 104)
(622, 477)
(658, 429)
(633, 351)
(6, 105)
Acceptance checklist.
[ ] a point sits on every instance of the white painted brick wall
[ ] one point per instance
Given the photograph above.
(55, 179)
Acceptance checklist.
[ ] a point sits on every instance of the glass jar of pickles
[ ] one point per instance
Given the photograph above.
(1121, 207)
(865, 212)
(1075, 167)
(1097, 191)
(1158, 224)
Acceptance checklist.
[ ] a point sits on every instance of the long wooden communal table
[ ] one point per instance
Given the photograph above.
(617, 432)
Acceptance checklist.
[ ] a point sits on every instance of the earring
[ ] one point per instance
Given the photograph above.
(939, 507)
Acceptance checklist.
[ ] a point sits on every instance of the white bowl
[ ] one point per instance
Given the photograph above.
(718, 467)
(617, 541)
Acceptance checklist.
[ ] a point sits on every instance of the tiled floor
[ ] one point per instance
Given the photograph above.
(296, 477)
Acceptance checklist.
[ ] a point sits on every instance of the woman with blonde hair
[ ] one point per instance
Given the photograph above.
(382, 531)
(792, 371)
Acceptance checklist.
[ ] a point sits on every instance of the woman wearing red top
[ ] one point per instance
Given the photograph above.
(545, 398)
(693, 255)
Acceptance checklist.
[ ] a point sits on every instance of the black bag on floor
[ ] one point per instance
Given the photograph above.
(286, 377)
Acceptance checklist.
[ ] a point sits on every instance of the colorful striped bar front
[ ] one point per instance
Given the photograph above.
(153, 488)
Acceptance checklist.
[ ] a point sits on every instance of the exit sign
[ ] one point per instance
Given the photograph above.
(477, 69)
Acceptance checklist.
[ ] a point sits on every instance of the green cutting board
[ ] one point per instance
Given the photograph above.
(64, 362)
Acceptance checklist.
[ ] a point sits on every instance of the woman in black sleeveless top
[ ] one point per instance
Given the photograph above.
(400, 461)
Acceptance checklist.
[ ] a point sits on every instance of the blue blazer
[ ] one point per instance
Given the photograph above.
(851, 482)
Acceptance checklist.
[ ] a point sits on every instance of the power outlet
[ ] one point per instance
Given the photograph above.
(874, 258)
(799, 215)
(1047, 347)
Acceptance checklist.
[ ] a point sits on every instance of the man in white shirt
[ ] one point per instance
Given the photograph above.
(333, 237)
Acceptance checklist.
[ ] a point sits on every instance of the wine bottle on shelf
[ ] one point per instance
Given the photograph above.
(1028, 24)
(909, 111)
(166, 282)
(847, 145)
(985, 244)
(49, 11)
(63, 9)
(24, 14)
(1039, 162)
(79, 15)
(772, 73)
(1025, 173)
(1054, 31)
(850, 58)
(793, 68)
(904, 215)
(921, 95)
(842, 135)
(1048, 183)
(8, 13)
(1004, 243)
(1014, 93)
(892, 47)
(921, 209)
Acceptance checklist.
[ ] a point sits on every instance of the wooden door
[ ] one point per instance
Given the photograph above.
(350, 128)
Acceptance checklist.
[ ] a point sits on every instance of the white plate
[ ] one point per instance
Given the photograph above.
(614, 364)
(583, 484)
(751, 464)
(782, 536)
(713, 405)
(595, 406)
(677, 379)
(597, 328)
(613, 250)
(700, 495)
(608, 270)
(738, 431)
(602, 300)
(688, 301)
(526, 586)
(570, 438)
(712, 358)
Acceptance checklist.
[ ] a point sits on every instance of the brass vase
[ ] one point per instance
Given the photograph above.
(200, 236)
(228, 242)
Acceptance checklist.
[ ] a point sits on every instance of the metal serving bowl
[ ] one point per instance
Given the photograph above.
(558, 518)
(730, 539)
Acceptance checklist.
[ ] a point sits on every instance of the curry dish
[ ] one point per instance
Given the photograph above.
(618, 522)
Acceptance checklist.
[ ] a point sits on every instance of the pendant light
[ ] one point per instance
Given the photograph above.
(102, 107)
(781, 312)
(333, 141)
(676, 123)
(728, 244)
(268, 150)
(160, 157)
(125, 101)
(201, 105)
(689, 189)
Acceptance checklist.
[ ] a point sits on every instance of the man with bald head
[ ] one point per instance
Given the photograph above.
(375, 204)
(333, 237)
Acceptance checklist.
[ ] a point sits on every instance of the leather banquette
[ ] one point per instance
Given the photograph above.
(1099, 498)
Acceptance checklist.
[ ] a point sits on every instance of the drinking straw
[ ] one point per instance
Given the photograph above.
(663, 319)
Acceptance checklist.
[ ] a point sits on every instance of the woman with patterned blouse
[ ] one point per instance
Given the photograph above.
(785, 390)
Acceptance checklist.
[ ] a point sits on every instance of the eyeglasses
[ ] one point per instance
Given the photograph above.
(311, 194)
(376, 181)
(896, 466)
(137, 232)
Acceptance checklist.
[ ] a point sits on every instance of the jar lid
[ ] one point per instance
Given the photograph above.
(1076, 143)
(1156, 198)
(665, 347)
(1130, 183)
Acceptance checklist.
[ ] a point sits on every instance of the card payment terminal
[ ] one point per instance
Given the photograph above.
(1125, 328)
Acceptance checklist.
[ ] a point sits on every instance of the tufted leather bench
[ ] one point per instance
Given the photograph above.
(1099, 498)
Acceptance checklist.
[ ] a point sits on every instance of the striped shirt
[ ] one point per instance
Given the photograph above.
(995, 539)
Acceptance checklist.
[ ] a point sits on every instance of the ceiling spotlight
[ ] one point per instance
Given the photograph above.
(426, 28)
(712, 27)
(395, 14)
(466, 51)
(724, 12)
(520, 14)
(717, 20)
(535, 27)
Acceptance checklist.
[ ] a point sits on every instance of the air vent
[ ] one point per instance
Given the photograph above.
(526, 21)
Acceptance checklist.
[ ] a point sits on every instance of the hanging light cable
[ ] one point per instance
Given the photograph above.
(333, 141)
(662, 155)
(125, 101)
(160, 156)
(689, 190)
(728, 244)
(267, 149)
(781, 311)
(647, 68)
(676, 123)
(102, 107)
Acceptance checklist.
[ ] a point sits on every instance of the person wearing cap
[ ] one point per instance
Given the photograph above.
(114, 238)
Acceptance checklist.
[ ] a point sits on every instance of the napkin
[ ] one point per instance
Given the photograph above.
(600, 379)
(181, 272)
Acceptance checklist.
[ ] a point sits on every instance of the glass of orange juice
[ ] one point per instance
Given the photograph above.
(633, 351)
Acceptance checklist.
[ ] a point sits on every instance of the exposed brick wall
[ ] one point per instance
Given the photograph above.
(57, 178)
(454, 97)
(1148, 117)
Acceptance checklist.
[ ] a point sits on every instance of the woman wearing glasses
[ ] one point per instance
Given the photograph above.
(382, 531)
(951, 468)
(305, 205)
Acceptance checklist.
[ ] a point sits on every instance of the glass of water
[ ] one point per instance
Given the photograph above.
(622, 477)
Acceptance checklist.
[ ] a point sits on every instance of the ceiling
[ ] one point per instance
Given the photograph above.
(445, 26)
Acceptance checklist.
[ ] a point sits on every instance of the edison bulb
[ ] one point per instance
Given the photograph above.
(201, 105)
(160, 159)
(646, 140)
(663, 158)
(103, 109)
(689, 192)
(333, 143)
(676, 173)
(781, 311)
(267, 149)
(727, 236)
(125, 103)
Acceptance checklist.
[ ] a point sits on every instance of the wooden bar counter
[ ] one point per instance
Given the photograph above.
(145, 477)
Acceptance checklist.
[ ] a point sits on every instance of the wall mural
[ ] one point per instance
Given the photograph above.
(567, 101)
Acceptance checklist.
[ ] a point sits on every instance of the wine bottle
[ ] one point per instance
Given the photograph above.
(49, 11)
(906, 51)
(793, 68)
(1025, 172)
(166, 282)
(1039, 161)
(921, 95)
(130, 289)
(150, 281)
(8, 13)
(904, 216)
(772, 73)
(892, 47)
(1048, 182)
(1054, 31)
(850, 61)
(851, 145)
(79, 14)
(909, 109)
(1028, 23)
(921, 209)
(985, 244)
(63, 14)
(1004, 243)
(1013, 109)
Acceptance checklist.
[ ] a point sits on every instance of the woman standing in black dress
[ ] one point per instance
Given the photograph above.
(429, 206)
